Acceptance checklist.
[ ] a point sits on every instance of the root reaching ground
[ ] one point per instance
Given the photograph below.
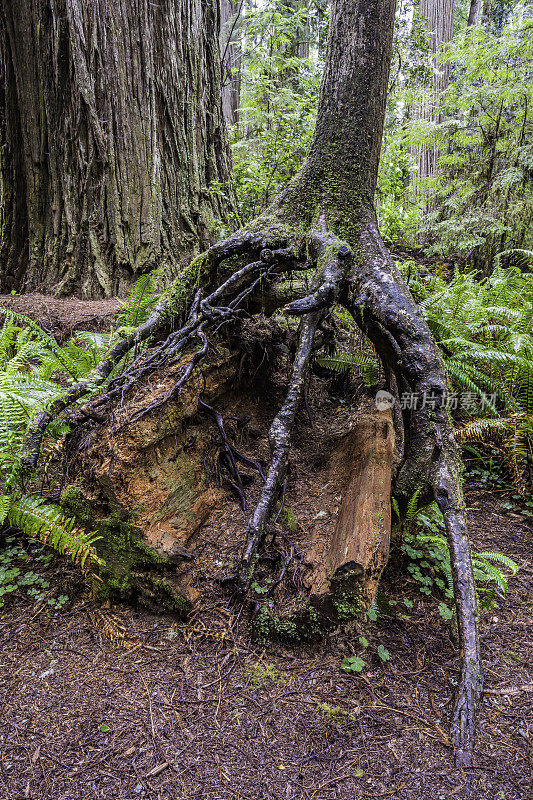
(323, 224)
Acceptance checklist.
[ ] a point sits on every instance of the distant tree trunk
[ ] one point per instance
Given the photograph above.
(474, 13)
(486, 16)
(230, 13)
(439, 18)
(111, 134)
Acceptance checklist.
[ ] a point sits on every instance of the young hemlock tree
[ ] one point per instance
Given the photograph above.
(113, 145)
(324, 221)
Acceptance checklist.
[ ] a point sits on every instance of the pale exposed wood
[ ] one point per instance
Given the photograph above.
(358, 550)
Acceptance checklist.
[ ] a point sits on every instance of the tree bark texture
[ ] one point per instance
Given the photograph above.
(112, 138)
(230, 19)
(439, 15)
(474, 14)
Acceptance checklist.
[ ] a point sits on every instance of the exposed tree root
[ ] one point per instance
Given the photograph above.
(370, 287)
(279, 439)
(231, 455)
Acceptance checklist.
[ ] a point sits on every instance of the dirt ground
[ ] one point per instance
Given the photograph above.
(195, 710)
(60, 317)
(120, 704)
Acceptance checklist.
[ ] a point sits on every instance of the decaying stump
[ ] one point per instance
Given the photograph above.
(159, 478)
(350, 562)
(324, 222)
(142, 484)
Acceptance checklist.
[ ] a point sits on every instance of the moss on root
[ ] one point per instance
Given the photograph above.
(132, 570)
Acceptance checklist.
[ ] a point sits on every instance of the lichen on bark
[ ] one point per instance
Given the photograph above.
(113, 141)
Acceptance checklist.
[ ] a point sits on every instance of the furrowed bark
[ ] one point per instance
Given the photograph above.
(112, 137)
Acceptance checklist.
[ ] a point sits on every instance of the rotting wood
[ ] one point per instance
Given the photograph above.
(359, 548)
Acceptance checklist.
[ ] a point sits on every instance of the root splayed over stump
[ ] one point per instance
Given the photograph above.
(323, 224)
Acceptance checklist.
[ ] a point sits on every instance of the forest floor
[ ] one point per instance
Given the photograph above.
(196, 709)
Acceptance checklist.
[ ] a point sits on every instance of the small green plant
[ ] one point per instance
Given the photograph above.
(352, 664)
(140, 301)
(362, 364)
(15, 579)
(423, 543)
(34, 372)
(262, 675)
(334, 713)
(383, 653)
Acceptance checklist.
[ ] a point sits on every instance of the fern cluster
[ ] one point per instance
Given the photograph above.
(34, 371)
(484, 330)
(424, 544)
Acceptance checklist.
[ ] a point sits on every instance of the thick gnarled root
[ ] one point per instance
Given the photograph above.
(384, 309)
(371, 288)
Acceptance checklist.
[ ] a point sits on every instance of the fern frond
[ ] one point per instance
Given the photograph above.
(412, 507)
(141, 300)
(501, 558)
(43, 338)
(358, 363)
(39, 519)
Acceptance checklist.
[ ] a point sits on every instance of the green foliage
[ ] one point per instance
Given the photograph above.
(352, 352)
(16, 579)
(424, 545)
(140, 302)
(352, 664)
(399, 215)
(34, 371)
(355, 664)
(278, 104)
(480, 200)
(484, 329)
(46, 522)
(356, 363)
(484, 193)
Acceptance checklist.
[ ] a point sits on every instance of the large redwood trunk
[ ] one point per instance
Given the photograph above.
(113, 146)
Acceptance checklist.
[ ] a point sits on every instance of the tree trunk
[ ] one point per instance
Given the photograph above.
(439, 16)
(475, 13)
(230, 15)
(324, 221)
(112, 137)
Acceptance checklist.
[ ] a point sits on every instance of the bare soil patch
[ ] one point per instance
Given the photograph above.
(60, 317)
(195, 710)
